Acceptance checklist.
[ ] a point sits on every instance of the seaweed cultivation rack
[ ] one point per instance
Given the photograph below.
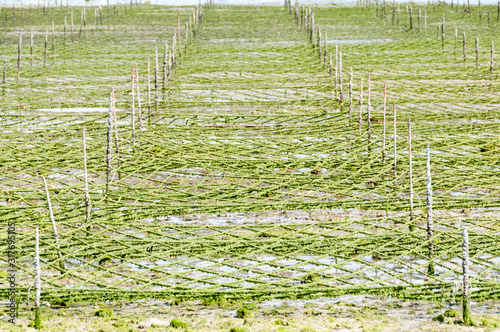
(254, 152)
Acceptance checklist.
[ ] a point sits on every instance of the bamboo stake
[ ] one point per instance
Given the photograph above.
(350, 94)
(117, 144)
(384, 125)
(156, 79)
(88, 204)
(149, 91)
(464, 45)
(72, 37)
(179, 32)
(425, 18)
(336, 63)
(38, 282)
(46, 41)
(411, 18)
(4, 70)
(360, 123)
(341, 92)
(54, 228)
(139, 111)
(109, 168)
(395, 146)
(369, 104)
(430, 222)
(173, 50)
(393, 11)
(411, 227)
(169, 72)
(318, 41)
(31, 49)
(133, 104)
(492, 54)
(442, 30)
(165, 59)
(19, 48)
(325, 51)
(312, 26)
(53, 37)
(477, 52)
(331, 65)
(466, 283)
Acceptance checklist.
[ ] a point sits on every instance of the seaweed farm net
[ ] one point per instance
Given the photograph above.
(251, 179)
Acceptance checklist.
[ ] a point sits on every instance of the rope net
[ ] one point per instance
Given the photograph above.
(251, 180)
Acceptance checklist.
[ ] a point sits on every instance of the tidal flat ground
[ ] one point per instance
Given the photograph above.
(330, 167)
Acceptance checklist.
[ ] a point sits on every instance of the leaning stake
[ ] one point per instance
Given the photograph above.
(54, 228)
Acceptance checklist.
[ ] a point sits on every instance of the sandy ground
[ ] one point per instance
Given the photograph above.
(347, 313)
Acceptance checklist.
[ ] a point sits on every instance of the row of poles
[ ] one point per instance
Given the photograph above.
(189, 28)
(112, 137)
(46, 5)
(304, 18)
